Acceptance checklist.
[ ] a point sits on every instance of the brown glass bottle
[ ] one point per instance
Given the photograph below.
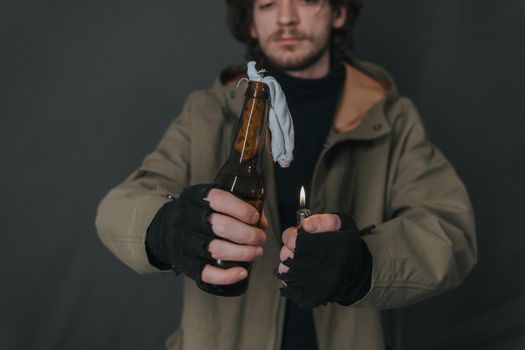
(242, 173)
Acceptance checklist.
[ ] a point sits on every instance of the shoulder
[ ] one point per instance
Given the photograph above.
(223, 95)
(403, 116)
(379, 84)
(214, 105)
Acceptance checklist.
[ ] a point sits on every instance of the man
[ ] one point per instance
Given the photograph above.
(363, 151)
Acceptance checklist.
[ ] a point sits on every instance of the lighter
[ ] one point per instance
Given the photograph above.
(303, 212)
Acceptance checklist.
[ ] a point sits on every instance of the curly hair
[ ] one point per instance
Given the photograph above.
(342, 43)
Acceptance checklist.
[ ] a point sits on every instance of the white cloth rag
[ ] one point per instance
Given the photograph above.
(279, 118)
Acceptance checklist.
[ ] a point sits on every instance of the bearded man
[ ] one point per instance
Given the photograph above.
(364, 153)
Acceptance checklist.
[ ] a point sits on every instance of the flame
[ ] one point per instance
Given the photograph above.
(302, 199)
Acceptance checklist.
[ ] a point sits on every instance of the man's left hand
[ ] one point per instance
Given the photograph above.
(314, 224)
(326, 260)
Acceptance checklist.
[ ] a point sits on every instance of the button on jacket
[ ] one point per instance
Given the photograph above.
(381, 170)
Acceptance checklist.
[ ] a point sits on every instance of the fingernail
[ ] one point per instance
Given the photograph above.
(243, 274)
(255, 217)
(259, 252)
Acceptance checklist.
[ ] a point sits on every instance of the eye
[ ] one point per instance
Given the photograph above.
(266, 5)
(310, 2)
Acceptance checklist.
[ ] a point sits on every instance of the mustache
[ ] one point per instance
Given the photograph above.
(289, 34)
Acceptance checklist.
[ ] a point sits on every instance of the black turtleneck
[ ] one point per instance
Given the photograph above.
(312, 104)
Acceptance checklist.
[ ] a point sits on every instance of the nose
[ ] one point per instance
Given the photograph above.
(288, 13)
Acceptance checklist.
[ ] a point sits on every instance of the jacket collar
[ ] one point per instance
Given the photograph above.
(229, 88)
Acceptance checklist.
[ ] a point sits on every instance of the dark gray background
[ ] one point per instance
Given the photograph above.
(87, 88)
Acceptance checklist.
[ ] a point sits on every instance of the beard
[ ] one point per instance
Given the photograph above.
(286, 59)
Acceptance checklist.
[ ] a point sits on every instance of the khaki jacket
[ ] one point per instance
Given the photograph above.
(379, 167)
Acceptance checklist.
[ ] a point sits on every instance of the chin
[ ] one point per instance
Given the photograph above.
(296, 63)
(290, 59)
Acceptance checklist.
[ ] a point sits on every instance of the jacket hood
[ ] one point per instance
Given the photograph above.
(229, 89)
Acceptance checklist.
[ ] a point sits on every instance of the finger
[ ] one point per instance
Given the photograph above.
(226, 203)
(322, 223)
(264, 222)
(235, 230)
(224, 250)
(283, 268)
(286, 253)
(289, 237)
(216, 275)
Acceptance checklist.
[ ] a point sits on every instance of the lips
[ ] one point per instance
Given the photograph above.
(288, 41)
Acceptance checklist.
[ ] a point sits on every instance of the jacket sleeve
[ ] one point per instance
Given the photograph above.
(427, 245)
(125, 213)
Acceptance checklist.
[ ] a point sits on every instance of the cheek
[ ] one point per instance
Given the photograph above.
(261, 26)
(321, 30)
(264, 39)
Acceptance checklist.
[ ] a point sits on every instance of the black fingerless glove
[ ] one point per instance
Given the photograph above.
(179, 235)
(328, 267)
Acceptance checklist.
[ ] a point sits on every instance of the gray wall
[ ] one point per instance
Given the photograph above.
(87, 88)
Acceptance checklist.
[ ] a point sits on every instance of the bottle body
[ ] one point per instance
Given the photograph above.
(242, 173)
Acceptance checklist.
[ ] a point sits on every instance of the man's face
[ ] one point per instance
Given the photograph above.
(294, 34)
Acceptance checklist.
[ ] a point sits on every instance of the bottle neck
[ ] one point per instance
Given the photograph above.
(248, 146)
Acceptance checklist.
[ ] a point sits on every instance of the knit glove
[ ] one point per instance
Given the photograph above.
(179, 235)
(334, 266)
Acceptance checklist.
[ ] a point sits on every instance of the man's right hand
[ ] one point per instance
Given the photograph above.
(203, 224)
(233, 220)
